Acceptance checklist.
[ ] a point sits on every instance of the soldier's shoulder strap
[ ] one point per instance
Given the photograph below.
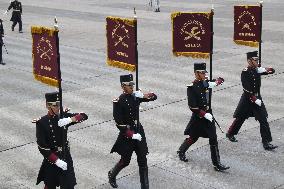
(36, 120)
(189, 85)
(115, 100)
(245, 69)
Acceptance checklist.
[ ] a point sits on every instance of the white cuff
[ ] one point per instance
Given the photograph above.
(261, 70)
(64, 121)
(212, 84)
(138, 94)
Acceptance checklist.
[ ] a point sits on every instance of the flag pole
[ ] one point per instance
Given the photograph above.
(260, 33)
(211, 52)
(136, 57)
(58, 62)
(64, 133)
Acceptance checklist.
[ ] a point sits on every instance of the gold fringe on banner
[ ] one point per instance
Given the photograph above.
(247, 43)
(127, 21)
(46, 80)
(121, 65)
(193, 54)
(41, 29)
(206, 14)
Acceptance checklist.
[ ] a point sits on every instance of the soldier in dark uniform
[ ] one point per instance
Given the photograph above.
(57, 167)
(16, 14)
(131, 137)
(250, 104)
(201, 123)
(1, 41)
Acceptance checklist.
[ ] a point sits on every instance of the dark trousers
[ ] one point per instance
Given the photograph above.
(15, 23)
(141, 159)
(54, 187)
(1, 45)
(264, 128)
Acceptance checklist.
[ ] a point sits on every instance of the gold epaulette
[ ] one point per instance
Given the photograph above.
(115, 100)
(36, 120)
(190, 85)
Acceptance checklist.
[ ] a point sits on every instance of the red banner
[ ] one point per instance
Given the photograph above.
(44, 54)
(192, 34)
(121, 42)
(247, 25)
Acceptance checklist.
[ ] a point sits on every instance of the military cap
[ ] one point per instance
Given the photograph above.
(52, 98)
(252, 54)
(127, 79)
(200, 67)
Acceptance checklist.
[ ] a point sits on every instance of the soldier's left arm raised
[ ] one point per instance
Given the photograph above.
(147, 97)
(265, 71)
(72, 119)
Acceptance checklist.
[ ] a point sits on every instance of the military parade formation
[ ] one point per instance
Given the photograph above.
(57, 168)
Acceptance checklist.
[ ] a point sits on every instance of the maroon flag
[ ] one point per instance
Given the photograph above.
(247, 25)
(191, 34)
(45, 54)
(121, 42)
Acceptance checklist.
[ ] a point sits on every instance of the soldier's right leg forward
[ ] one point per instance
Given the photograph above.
(184, 147)
(234, 129)
(123, 162)
(13, 25)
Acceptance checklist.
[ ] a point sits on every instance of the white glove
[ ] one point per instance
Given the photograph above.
(212, 84)
(138, 94)
(258, 102)
(209, 117)
(136, 136)
(64, 121)
(61, 164)
(261, 70)
(5, 12)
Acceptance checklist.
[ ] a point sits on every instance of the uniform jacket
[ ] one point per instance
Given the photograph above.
(49, 140)
(125, 115)
(251, 82)
(198, 102)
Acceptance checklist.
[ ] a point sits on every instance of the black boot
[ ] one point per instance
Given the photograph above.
(231, 138)
(113, 173)
(143, 172)
(216, 158)
(268, 146)
(182, 149)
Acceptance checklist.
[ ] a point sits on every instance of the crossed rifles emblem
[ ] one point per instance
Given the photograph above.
(44, 48)
(192, 34)
(195, 32)
(121, 36)
(247, 19)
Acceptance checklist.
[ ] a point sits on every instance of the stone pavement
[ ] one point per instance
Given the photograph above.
(89, 85)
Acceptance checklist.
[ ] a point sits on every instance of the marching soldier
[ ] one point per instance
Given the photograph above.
(1, 41)
(131, 137)
(16, 14)
(251, 104)
(201, 123)
(57, 166)
(157, 5)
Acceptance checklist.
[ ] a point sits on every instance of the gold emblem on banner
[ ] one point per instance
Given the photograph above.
(193, 29)
(44, 49)
(243, 17)
(119, 38)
